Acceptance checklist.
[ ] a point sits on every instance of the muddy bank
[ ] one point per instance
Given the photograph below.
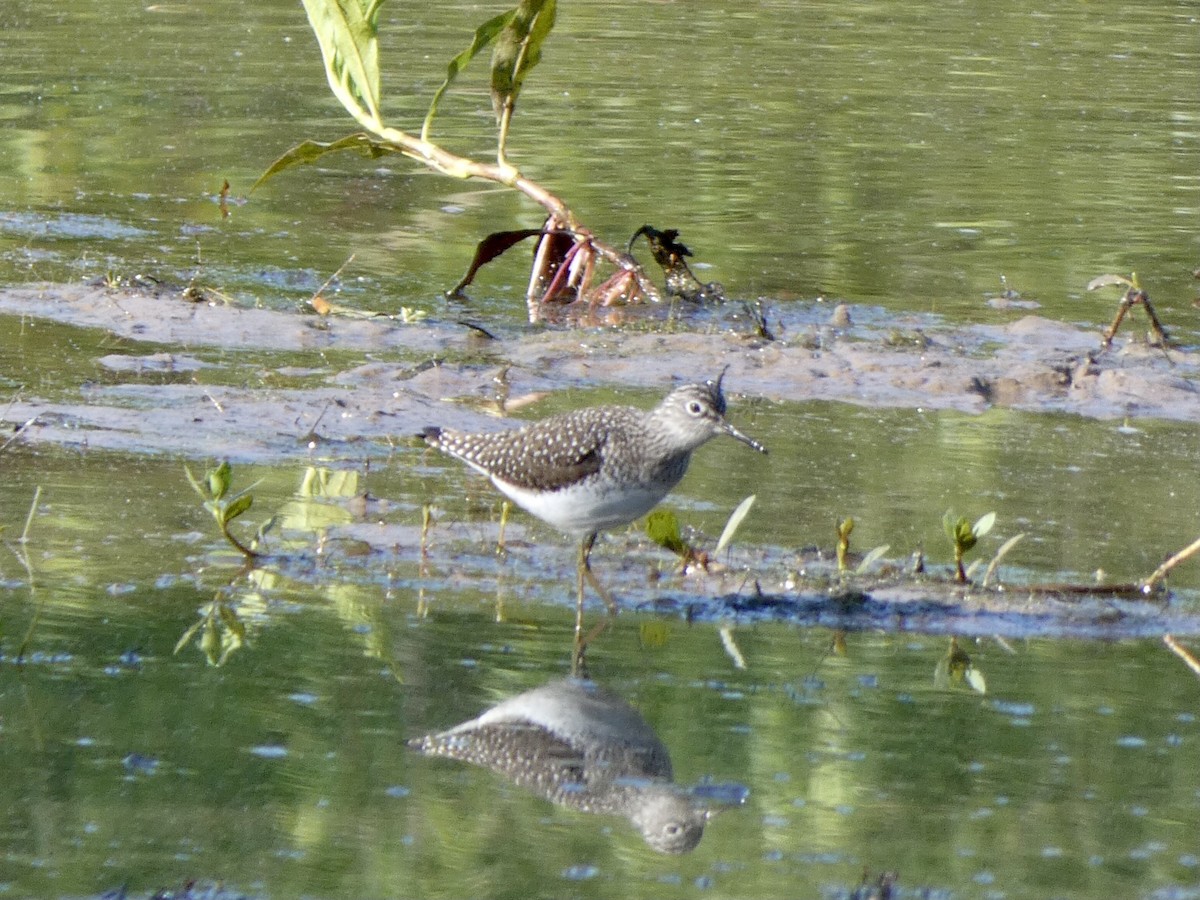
(392, 378)
(200, 380)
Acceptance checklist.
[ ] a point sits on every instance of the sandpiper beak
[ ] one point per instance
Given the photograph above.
(744, 438)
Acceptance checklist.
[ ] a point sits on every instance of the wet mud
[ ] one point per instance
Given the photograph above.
(352, 388)
(405, 373)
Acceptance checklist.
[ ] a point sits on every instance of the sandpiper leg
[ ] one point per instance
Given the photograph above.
(582, 640)
(585, 571)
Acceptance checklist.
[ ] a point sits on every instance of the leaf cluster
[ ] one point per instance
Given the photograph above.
(213, 490)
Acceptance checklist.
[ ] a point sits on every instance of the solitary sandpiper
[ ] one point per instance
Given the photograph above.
(582, 747)
(599, 467)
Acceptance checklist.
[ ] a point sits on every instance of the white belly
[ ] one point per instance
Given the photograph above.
(583, 509)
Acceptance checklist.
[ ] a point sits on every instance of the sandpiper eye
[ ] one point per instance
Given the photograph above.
(695, 407)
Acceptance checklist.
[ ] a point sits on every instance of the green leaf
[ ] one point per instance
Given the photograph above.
(662, 527)
(734, 522)
(965, 536)
(196, 486)
(188, 635)
(347, 31)
(237, 506)
(311, 151)
(518, 50)
(484, 35)
(210, 641)
(950, 525)
(870, 558)
(984, 525)
(230, 620)
(217, 480)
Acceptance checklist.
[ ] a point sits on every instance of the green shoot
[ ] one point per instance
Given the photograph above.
(1000, 554)
(963, 535)
(213, 491)
(842, 528)
(662, 527)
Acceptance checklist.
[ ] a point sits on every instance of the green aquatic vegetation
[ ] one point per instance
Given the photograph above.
(214, 492)
(662, 527)
(1000, 554)
(565, 262)
(734, 522)
(21, 552)
(963, 535)
(842, 528)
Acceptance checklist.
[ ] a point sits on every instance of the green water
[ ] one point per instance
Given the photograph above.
(905, 157)
(283, 771)
(908, 157)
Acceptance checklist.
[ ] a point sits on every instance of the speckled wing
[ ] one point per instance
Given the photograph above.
(524, 752)
(542, 456)
(583, 777)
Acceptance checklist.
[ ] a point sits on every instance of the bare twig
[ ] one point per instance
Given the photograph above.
(1161, 572)
(1183, 653)
(37, 495)
(312, 301)
(17, 433)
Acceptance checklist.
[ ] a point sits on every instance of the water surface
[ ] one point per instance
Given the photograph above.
(910, 158)
(901, 158)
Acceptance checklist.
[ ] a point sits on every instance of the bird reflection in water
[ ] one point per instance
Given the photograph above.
(583, 747)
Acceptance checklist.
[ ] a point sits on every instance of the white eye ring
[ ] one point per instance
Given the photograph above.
(695, 407)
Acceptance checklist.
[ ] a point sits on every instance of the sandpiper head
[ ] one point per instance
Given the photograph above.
(669, 820)
(698, 411)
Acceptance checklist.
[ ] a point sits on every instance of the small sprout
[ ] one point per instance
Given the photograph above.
(917, 563)
(963, 535)
(213, 492)
(842, 528)
(662, 527)
(837, 643)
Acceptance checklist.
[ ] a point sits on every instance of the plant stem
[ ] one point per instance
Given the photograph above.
(242, 548)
